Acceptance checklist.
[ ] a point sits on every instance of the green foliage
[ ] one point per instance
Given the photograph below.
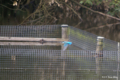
(115, 8)
(90, 2)
(86, 2)
(113, 5)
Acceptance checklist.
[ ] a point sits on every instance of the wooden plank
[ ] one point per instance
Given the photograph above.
(29, 43)
(30, 39)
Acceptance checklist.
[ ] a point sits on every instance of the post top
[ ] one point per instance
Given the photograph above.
(99, 37)
(64, 25)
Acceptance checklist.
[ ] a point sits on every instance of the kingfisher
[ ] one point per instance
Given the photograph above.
(66, 44)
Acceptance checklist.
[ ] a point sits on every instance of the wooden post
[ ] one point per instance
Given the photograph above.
(63, 71)
(99, 51)
(98, 68)
(99, 48)
(42, 76)
(118, 50)
(64, 34)
(64, 31)
(118, 61)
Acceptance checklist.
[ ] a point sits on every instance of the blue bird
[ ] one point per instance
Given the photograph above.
(66, 44)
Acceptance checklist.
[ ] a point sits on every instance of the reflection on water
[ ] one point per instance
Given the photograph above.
(112, 32)
(39, 65)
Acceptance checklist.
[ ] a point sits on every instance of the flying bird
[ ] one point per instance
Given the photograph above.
(66, 44)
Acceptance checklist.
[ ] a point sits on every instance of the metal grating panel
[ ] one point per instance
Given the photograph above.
(41, 31)
(88, 41)
(32, 63)
(41, 62)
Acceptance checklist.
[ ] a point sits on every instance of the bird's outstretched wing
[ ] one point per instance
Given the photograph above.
(66, 44)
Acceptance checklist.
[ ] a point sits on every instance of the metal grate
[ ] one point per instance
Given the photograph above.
(88, 41)
(42, 31)
(43, 62)
(30, 63)
(110, 45)
(82, 39)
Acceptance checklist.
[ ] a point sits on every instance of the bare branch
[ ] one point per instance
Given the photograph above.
(95, 11)
(11, 8)
(74, 12)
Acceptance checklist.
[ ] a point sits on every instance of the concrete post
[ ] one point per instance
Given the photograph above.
(99, 47)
